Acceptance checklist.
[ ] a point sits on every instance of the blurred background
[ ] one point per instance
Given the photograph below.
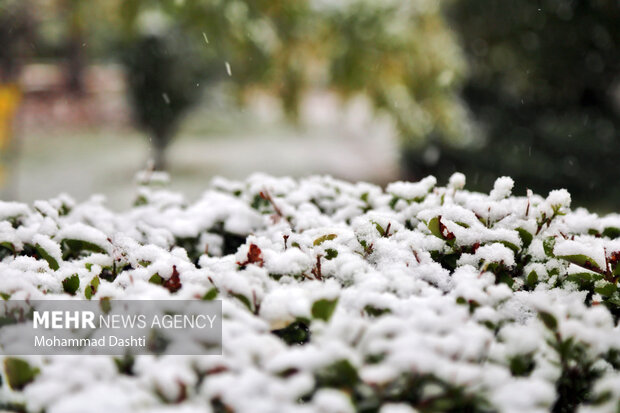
(93, 91)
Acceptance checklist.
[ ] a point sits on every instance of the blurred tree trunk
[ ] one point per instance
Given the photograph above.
(160, 145)
(74, 49)
(75, 64)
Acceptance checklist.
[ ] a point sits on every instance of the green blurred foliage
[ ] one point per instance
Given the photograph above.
(399, 53)
(544, 85)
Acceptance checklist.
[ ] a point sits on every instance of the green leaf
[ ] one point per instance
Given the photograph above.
(532, 279)
(71, 284)
(548, 320)
(156, 279)
(125, 364)
(393, 202)
(105, 304)
(259, 203)
(380, 229)
(324, 308)
(433, 226)
(8, 245)
(522, 365)
(611, 232)
(51, 261)
(331, 253)
(526, 237)
(324, 238)
(615, 300)
(140, 201)
(582, 260)
(510, 245)
(295, 333)
(341, 374)
(502, 276)
(548, 244)
(607, 289)
(91, 289)
(210, 295)
(245, 300)
(73, 248)
(18, 372)
(583, 279)
(375, 311)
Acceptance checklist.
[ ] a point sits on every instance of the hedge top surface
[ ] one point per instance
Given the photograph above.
(336, 297)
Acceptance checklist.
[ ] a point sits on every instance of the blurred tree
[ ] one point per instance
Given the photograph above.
(545, 86)
(404, 56)
(163, 75)
(400, 54)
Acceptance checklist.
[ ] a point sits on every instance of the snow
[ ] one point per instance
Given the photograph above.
(589, 248)
(559, 197)
(457, 181)
(502, 188)
(12, 210)
(408, 300)
(412, 190)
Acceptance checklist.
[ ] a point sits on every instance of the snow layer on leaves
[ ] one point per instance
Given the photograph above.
(435, 292)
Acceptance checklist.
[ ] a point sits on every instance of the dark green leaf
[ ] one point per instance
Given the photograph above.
(375, 311)
(611, 232)
(8, 245)
(340, 374)
(71, 284)
(295, 333)
(18, 372)
(522, 365)
(606, 290)
(532, 279)
(51, 261)
(526, 237)
(73, 248)
(510, 245)
(548, 320)
(331, 253)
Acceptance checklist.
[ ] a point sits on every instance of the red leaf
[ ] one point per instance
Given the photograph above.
(255, 256)
(173, 284)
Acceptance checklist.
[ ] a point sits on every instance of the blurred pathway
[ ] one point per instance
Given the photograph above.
(105, 162)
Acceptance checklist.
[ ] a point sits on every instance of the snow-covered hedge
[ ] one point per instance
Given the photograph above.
(337, 297)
